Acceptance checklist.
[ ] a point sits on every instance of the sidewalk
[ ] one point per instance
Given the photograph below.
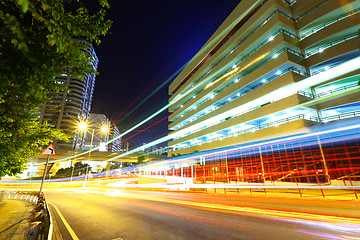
(14, 220)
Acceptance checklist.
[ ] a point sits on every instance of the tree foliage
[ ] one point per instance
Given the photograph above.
(37, 43)
(141, 158)
(77, 170)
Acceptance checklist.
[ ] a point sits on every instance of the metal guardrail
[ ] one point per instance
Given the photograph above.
(41, 222)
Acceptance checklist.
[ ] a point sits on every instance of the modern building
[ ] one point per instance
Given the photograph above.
(67, 109)
(115, 145)
(273, 68)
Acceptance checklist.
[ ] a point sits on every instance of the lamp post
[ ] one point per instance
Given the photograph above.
(73, 164)
(82, 127)
(87, 166)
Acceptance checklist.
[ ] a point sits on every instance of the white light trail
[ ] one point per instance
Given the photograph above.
(337, 71)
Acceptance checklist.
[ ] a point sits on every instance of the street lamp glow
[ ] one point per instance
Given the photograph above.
(104, 129)
(82, 126)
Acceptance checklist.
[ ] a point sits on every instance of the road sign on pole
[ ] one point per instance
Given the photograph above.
(49, 151)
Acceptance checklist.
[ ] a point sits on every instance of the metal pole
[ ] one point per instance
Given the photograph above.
(87, 166)
(262, 165)
(227, 169)
(324, 160)
(72, 171)
(45, 170)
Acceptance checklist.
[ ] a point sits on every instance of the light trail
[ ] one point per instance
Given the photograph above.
(156, 90)
(124, 133)
(227, 186)
(217, 152)
(141, 131)
(274, 213)
(339, 70)
(141, 94)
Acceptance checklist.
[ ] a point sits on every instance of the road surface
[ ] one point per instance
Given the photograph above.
(146, 215)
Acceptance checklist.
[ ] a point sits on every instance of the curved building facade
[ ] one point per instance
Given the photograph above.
(273, 68)
(67, 109)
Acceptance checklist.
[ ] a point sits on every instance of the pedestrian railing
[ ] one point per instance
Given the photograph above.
(30, 196)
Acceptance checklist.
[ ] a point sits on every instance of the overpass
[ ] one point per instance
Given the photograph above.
(95, 156)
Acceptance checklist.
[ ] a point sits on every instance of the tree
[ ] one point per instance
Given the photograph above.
(78, 169)
(37, 43)
(141, 158)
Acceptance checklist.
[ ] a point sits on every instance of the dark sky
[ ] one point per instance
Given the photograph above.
(148, 42)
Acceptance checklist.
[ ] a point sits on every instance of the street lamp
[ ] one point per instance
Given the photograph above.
(104, 129)
(82, 127)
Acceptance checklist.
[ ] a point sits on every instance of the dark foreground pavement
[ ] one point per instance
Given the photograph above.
(14, 219)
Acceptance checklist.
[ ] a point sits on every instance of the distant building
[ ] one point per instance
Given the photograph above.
(268, 72)
(115, 146)
(67, 108)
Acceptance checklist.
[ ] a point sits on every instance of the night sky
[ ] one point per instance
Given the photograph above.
(148, 42)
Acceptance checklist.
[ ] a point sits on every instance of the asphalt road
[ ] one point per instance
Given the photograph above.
(157, 215)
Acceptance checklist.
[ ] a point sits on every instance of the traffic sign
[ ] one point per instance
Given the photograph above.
(49, 151)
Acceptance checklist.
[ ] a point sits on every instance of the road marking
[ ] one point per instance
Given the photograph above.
(72, 233)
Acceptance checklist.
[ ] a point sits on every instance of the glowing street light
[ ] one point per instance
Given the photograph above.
(104, 129)
(82, 127)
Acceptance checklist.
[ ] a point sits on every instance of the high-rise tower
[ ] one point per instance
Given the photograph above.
(67, 109)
